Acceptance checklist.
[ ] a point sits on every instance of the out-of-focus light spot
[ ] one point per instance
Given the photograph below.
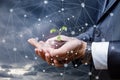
(25, 15)
(3, 41)
(21, 35)
(35, 58)
(65, 65)
(86, 24)
(62, 9)
(26, 56)
(61, 74)
(73, 16)
(14, 49)
(50, 21)
(89, 73)
(45, 2)
(111, 14)
(103, 39)
(39, 19)
(96, 77)
(68, 19)
(83, 5)
(11, 10)
(75, 65)
(73, 32)
(43, 70)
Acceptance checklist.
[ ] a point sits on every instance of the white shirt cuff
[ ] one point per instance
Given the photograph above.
(100, 54)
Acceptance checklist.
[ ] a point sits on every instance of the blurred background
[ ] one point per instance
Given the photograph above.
(24, 19)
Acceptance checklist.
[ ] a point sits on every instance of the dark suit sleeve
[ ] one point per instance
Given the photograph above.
(114, 59)
(87, 36)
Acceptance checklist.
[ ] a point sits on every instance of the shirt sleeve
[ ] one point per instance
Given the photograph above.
(100, 55)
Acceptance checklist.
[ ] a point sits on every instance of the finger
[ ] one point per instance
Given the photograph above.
(48, 58)
(34, 42)
(58, 64)
(40, 53)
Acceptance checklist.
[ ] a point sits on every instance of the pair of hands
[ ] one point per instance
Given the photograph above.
(58, 53)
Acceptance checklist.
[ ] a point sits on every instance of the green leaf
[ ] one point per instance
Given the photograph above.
(59, 38)
(53, 30)
(64, 28)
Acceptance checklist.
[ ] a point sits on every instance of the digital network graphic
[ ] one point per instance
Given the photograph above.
(24, 19)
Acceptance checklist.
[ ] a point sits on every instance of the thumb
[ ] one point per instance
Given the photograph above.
(34, 43)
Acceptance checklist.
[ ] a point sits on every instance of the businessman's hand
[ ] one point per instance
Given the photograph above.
(58, 53)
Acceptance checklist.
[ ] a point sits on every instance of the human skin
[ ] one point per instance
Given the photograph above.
(58, 53)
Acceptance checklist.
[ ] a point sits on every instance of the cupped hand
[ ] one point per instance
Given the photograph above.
(61, 52)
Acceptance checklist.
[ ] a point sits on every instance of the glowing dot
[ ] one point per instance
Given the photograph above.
(62, 9)
(84, 38)
(3, 41)
(43, 35)
(26, 56)
(111, 14)
(73, 32)
(76, 65)
(82, 27)
(45, 2)
(103, 39)
(56, 45)
(89, 48)
(62, 0)
(35, 58)
(89, 73)
(52, 64)
(14, 49)
(11, 10)
(57, 56)
(97, 77)
(66, 59)
(61, 74)
(67, 52)
(94, 26)
(39, 19)
(79, 29)
(50, 20)
(25, 15)
(51, 59)
(59, 11)
(86, 63)
(73, 16)
(65, 65)
(112, 47)
(71, 51)
(21, 35)
(68, 19)
(43, 70)
(83, 5)
(76, 53)
(86, 24)
(46, 16)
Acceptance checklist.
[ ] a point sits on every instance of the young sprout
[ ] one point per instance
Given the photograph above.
(59, 31)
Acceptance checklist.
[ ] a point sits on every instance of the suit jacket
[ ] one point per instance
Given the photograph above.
(107, 29)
